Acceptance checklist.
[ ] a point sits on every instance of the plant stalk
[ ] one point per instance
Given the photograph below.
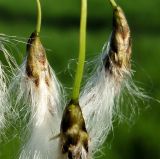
(113, 3)
(82, 50)
(39, 17)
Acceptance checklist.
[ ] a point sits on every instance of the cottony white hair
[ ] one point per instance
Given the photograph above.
(43, 105)
(97, 102)
(3, 99)
(2, 92)
(5, 105)
(4, 41)
(101, 98)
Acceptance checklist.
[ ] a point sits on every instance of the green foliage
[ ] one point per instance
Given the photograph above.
(59, 34)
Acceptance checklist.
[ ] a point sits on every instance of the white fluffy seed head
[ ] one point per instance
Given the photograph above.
(97, 101)
(102, 99)
(103, 94)
(43, 104)
(38, 102)
(45, 109)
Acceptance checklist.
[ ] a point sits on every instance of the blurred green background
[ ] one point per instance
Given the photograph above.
(60, 36)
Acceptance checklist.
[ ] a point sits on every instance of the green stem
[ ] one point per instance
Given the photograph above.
(82, 50)
(113, 3)
(39, 17)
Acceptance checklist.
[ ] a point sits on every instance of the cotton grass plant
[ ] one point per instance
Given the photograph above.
(74, 138)
(103, 89)
(38, 98)
(51, 128)
(102, 96)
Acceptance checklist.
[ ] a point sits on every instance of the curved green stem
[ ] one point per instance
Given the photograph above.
(39, 17)
(113, 3)
(82, 50)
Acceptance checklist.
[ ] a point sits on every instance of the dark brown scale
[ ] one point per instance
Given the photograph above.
(29, 71)
(36, 82)
(73, 131)
(30, 40)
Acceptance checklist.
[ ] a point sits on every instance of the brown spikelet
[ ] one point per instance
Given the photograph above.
(74, 135)
(119, 53)
(36, 60)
